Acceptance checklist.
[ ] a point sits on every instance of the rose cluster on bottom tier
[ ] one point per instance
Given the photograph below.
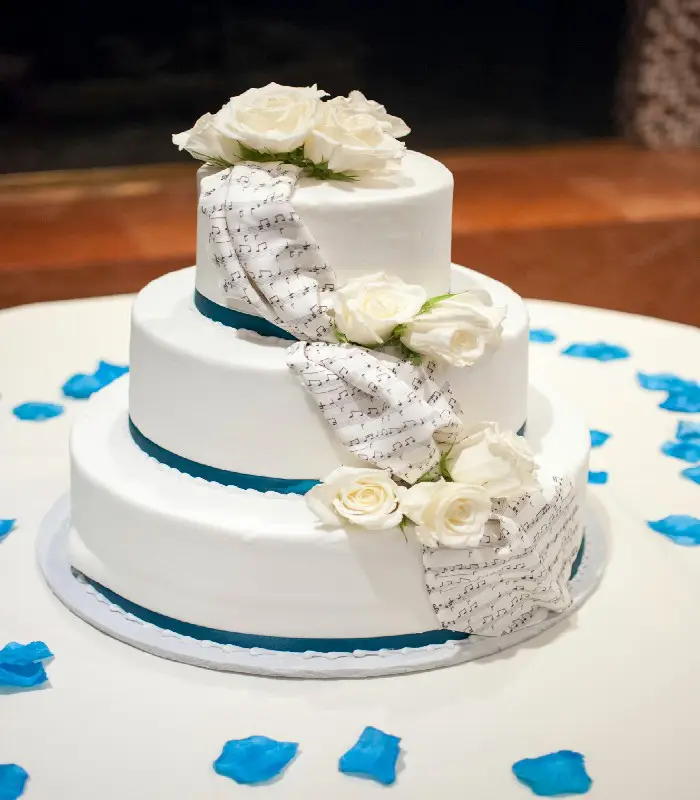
(449, 507)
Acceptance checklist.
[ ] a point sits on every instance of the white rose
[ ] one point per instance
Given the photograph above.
(367, 309)
(447, 514)
(360, 104)
(457, 329)
(352, 141)
(204, 142)
(364, 497)
(500, 462)
(274, 118)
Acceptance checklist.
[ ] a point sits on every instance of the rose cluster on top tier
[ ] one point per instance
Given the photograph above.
(334, 139)
(380, 309)
(448, 509)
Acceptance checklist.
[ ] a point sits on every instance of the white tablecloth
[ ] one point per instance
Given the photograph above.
(617, 682)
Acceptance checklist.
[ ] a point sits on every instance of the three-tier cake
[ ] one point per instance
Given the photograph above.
(328, 441)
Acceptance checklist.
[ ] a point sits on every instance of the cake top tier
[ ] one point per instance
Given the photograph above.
(366, 202)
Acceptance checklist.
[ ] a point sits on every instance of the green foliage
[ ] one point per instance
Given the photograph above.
(442, 465)
(340, 336)
(319, 171)
(431, 302)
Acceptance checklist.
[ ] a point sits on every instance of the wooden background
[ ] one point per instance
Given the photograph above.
(603, 224)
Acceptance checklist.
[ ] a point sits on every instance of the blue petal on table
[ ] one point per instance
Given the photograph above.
(685, 450)
(82, 385)
(13, 779)
(597, 478)
(599, 438)
(685, 399)
(542, 335)
(254, 760)
(555, 774)
(688, 431)
(6, 525)
(374, 756)
(679, 528)
(21, 664)
(692, 473)
(663, 382)
(599, 351)
(37, 412)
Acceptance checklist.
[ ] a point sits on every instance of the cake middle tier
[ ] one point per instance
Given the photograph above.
(225, 398)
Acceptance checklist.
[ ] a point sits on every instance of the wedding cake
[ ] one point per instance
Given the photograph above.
(328, 441)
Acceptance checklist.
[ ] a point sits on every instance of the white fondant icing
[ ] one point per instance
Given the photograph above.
(400, 223)
(228, 399)
(249, 562)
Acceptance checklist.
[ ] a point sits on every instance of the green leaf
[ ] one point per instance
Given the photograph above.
(411, 356)
(340, 336)
(399, 331)
(321, 172)
(296, 157)
(431, 302)
(442, 465)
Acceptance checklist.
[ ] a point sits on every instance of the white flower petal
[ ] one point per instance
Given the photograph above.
(457, 330)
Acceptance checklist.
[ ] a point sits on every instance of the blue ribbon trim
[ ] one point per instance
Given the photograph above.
(289, 644)
(260, 483)
(286, 644)
(237, 319)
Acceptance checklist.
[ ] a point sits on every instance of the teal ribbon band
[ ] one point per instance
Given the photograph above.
(289, 644)
(237, 319)
(286, 644)
(225, 477)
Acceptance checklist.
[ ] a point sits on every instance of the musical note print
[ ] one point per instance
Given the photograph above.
(515, 579)
(265, 254)
(374, 400)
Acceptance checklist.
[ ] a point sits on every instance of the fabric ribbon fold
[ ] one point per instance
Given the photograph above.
(268, 259)
(519, 573)
(382, 409)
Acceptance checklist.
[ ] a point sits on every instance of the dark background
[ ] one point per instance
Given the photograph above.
(85, 85)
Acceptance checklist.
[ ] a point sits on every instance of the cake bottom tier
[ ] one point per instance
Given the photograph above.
(256, 563)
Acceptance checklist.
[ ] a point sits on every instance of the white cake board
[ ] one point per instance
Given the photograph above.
(86, 602)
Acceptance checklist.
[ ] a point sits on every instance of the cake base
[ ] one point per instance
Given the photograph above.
(87, 603)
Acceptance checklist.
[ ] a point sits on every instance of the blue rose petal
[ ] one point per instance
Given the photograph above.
(21, 664)
(599, 351)
(542, 335)
(692, 473)
(374, 756)
(13, 779)
(686, 451)
(37, 412)
(81, 386)
(685, 399)
(679, 528)
(554, 774)
(107, 372)
(662, 382)
(255, 759)
(597, 478)
(688, 431)
(6, 525)
(599, 438)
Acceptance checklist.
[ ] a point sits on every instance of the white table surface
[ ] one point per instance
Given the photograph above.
(619, 681)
